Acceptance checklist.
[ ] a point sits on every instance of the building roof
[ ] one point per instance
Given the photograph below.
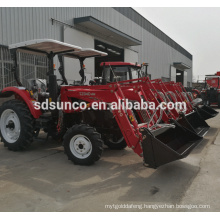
(92, 24)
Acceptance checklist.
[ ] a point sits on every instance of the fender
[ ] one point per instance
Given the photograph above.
(22, 94)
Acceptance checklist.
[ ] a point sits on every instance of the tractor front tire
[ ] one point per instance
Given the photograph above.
(16, 125)
(83, 145)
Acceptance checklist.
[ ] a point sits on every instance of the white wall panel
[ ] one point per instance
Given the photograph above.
(72, 66)
(131, 56)
(173, 73)
(185, 78)
(20, 24)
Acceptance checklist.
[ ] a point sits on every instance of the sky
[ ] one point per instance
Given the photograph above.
(195, 29)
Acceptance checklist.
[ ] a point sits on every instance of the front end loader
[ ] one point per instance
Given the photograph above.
(190, 117)
(157, 143)
(165, 92)
(149, 137)
(127, 71)
(205, 111)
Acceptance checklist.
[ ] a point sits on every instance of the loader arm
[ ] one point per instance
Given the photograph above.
(145, 88)
(180, 97)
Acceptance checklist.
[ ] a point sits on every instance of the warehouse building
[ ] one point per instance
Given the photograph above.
(121, 32)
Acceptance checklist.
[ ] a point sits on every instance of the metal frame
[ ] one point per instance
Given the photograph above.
(22, 62)
(81, 56)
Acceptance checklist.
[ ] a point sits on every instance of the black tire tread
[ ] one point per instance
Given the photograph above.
(94, 137)
(27, 124)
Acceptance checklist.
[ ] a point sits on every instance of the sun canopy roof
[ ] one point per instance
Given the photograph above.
(85, 53)
(45, 46)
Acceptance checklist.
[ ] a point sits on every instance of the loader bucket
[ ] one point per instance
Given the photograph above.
(170, 145)
(194, 122)
(207, 112)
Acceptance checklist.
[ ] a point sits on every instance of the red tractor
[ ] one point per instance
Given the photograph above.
(155, 135)
(211, 91)
(119, 71)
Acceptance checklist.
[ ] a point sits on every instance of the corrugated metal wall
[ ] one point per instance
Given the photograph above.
(145, 24)
(20, 24)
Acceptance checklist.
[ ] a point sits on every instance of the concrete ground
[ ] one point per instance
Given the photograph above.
(42, 179)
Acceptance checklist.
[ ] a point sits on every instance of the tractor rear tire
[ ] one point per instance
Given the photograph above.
(83, 145)
(16, 125)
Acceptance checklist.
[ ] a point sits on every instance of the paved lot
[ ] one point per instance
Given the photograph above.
(42, 179)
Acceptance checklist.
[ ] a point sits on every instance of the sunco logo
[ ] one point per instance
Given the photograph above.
(86, 93)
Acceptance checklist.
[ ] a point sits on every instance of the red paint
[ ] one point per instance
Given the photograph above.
(24, 96)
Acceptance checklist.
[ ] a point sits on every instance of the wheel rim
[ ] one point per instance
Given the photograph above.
(10, 126)
(80, 146)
